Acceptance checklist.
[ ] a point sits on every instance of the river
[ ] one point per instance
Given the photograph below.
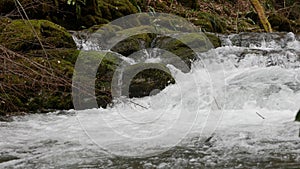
(252, 126)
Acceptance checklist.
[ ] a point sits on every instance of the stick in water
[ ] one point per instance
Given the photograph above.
(217, 103)
(260, 115)
(138, 104)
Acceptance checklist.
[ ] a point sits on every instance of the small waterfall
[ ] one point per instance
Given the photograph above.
(253, 49)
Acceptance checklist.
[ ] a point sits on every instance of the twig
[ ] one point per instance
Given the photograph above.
(217, 103)
(260, 115)
(18, 4)
(138, 104)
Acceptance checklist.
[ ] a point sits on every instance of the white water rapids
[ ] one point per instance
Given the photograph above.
(183, 125)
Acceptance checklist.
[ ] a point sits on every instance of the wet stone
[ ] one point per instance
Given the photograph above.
(163, 166)
(5, 158)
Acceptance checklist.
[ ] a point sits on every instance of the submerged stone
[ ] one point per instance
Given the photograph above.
(6, 158)
(298, 116)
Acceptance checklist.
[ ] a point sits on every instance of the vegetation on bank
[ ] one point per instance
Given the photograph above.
(38, 55)
(223, 16)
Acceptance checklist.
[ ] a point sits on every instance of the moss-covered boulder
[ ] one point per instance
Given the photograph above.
(214, 39)
(20, 35)
(145, 78)
(186, 46)
(133, 44)
(137, 80)
(74, 15)
(104, 77)
(34, 83)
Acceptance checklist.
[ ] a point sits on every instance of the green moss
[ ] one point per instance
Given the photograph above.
(76, 16)
(115, 9)
(44, 84)
(149, 80)
(55, 94)
(104, 77)
(140, 29)
(247, 25)
(19, 35)
(132, 44)
(186, 46)
(69, 55)
(215, 41)
(141, 85)
(10, 103)
(209, 23)
(146, 78)
(3, 22)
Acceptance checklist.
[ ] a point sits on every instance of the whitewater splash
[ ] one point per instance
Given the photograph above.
(256, 127)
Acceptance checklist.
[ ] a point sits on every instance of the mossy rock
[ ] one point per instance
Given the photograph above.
(140, 29)
(246, 25)
(3, 22)
(209, 22)
(133, 44)
(104, 77)
(187, 45)
(198, 41)
(115, 9)
(77, 16)
(214, 39)
(101, 12)
(54, 92)
(20, 35)
(141, 85)
(66, 54)
(10, 103)
(43, 85)
(142, 79)
(148, 81)
(50, 100)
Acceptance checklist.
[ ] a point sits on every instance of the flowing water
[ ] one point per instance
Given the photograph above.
(244, 120)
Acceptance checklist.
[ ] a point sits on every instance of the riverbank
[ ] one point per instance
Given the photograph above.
(38, 56)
